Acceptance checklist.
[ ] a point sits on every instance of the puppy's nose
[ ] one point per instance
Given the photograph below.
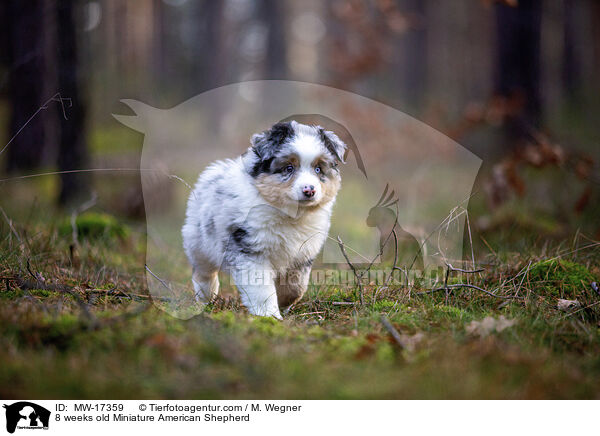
(308, 190)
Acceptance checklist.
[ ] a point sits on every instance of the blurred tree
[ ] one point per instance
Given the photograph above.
(208, 60)
(571, 59)
(24, 30)
(361, 36)
(159, 44)
(72, 153)
(595, 12)
(273, 14)
(413, 53)
(517, 67)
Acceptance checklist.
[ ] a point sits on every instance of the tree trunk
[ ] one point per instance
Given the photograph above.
(209, 59)
(160, 61)
(272, 14)
(517, 69)
(571, 59)
(25, 58)
(72, 153)
(413, 54)
(595, 12)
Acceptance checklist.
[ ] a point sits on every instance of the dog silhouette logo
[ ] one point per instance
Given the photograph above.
(26, 415)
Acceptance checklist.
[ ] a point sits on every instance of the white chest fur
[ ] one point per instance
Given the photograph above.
(287, 241)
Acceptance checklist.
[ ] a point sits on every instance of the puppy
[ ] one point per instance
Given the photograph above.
(264, 216)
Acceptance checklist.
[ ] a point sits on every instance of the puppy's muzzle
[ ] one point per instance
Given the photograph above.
(309, 191)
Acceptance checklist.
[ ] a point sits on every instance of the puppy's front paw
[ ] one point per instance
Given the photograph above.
(260, 299)
(265, 311)
(263, 306)
(201, 298)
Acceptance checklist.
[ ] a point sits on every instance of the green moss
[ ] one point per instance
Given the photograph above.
(335, 293)
(11, 294)
(44, 293)
(385, 352)
(408, 319)
(62, 324)
(560, 278)
(450, 312)
(269, 326)
(47, 349)
(17, 293)
(347, 344)
(384, 305)
(95, 225)
(316, 331)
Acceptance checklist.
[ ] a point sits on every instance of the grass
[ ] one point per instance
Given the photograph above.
(127, 348)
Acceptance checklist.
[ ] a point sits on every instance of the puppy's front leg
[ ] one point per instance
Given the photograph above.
(255, 282)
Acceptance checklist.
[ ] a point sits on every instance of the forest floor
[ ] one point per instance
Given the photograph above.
(76, 321)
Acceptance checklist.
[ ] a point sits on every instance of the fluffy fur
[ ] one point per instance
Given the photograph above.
(264, 216)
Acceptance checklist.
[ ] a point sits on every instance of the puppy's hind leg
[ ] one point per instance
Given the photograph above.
(291, 286)
(206, 284)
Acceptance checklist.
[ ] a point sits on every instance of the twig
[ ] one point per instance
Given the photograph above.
(10, 225)
(356, 275)
(390, 328)
(579, 310)
(464, 285)
(368, 268)
(162, 282)
(28, 267)
(334, 303)
(92, 170)
(517, 289)
(446, 289)
(470, 239)
(394, 266)
(56, 97)
(38, 284)
(466, 271)
(115, 292)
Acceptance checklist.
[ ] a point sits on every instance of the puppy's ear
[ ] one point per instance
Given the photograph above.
(267, 143)
(334, 144)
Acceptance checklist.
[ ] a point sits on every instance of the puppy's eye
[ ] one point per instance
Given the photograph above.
(317, 170)
(289, 169)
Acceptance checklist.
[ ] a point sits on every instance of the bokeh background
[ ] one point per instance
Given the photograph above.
(512, 81)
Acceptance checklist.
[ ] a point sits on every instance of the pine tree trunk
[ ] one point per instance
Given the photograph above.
(571, 60)
(25, 58)
(517, 68)
(72, 153)
(413, 54)
(273, 14)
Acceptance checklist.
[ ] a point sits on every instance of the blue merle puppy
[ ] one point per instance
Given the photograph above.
(264, 216)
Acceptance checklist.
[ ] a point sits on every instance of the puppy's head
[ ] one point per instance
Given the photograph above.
(296, 164)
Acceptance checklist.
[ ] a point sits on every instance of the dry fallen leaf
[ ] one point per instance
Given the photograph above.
(567, 304)
(411, 341)
(489, 325)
